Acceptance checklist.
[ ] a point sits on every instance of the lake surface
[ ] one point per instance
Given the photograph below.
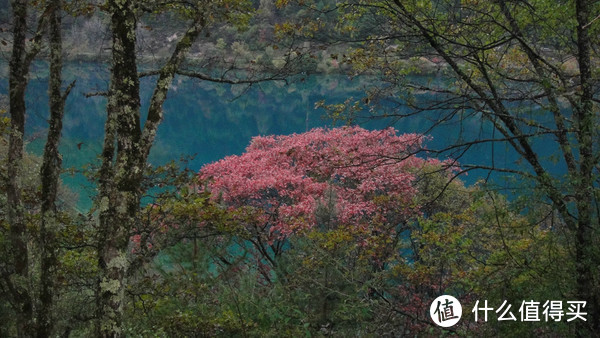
(211, 121)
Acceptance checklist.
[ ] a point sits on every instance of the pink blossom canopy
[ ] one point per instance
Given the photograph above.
(366, 175)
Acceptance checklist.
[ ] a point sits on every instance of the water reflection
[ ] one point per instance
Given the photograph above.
(212, 121)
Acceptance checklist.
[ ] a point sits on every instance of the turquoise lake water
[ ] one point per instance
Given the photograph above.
(212, 121)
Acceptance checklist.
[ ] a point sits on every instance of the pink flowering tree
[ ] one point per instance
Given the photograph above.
(347, 176)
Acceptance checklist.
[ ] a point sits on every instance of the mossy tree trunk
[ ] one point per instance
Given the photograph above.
(50, 174)
(16, 218)
(16, 278)
(120, 178)
(124, 157)
(586, 254)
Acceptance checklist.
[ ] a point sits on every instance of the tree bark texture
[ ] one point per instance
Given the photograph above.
(50, 174)
(586, 255)
(16, 219)
(122, 166)
(120, 178)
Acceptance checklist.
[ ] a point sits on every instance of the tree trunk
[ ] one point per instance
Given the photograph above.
(120, 180)
(18, 230)
(50, 172)
(586, 257)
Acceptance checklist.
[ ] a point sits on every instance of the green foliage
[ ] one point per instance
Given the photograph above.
(467, 242)
(76, 266)
(525, 70)
(196, 275)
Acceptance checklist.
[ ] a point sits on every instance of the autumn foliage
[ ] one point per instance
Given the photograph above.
(329, 176)
(335, 231)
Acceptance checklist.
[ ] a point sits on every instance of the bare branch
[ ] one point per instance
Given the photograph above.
(92, 94)
(68, 91)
